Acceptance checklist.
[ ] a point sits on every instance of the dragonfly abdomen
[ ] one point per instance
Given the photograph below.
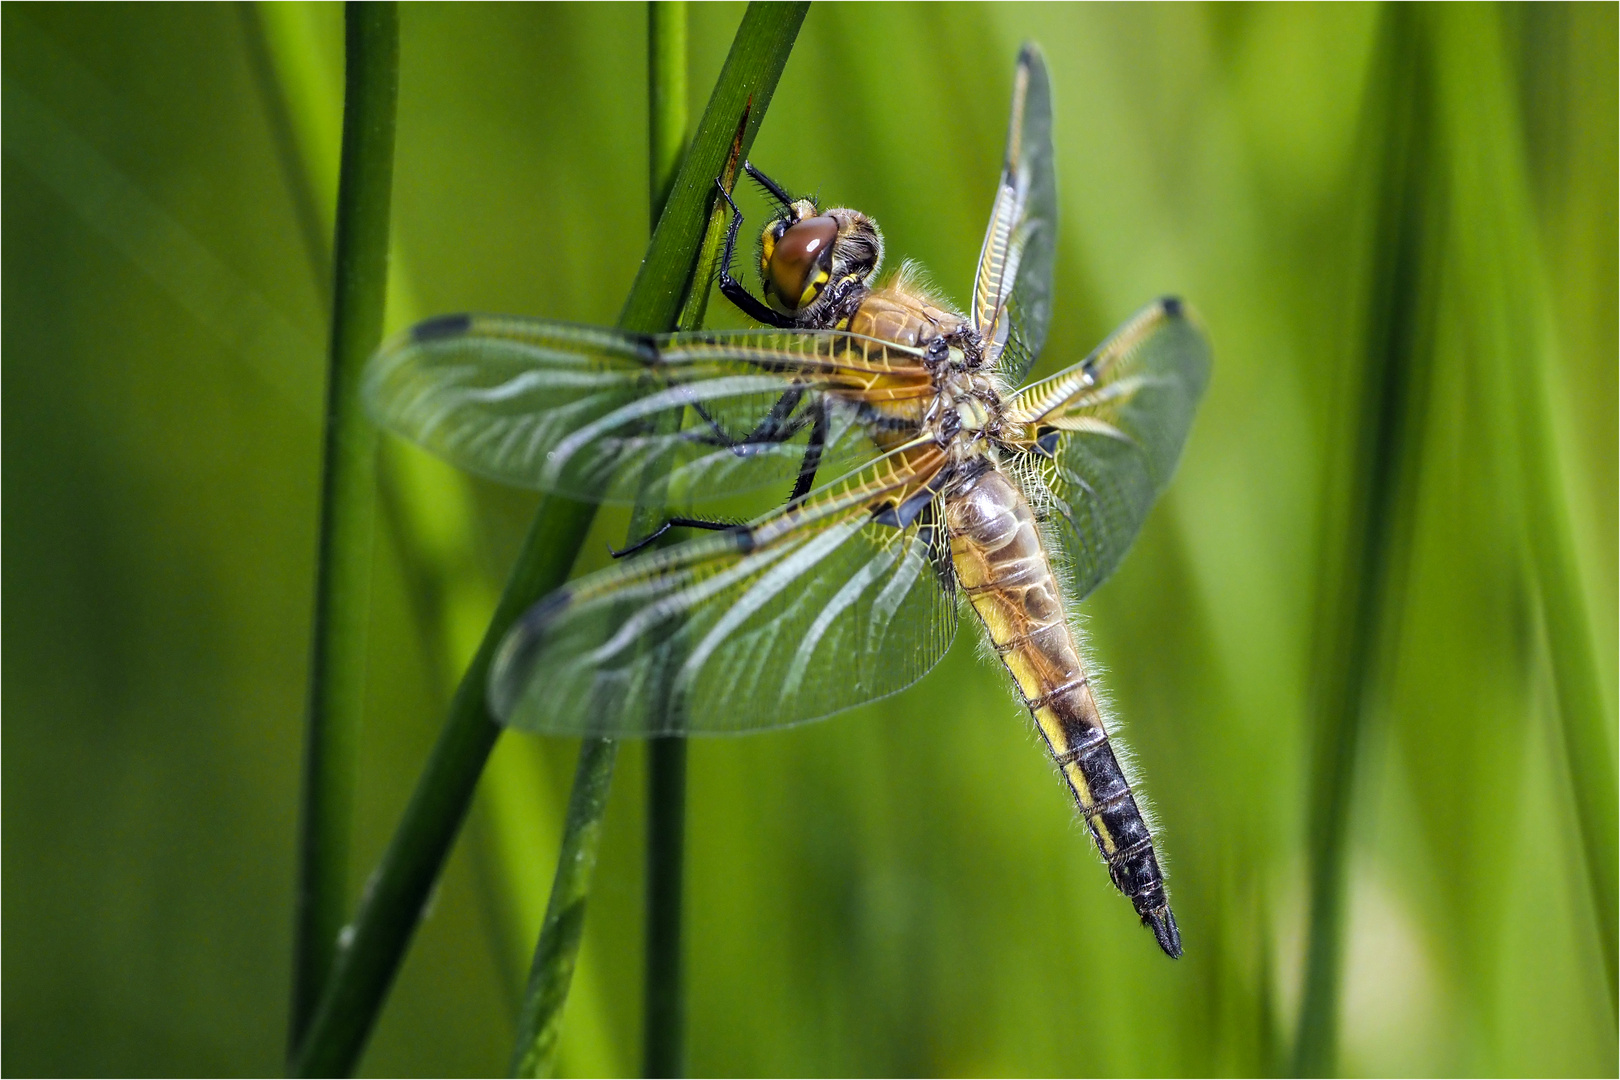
(1004, 569)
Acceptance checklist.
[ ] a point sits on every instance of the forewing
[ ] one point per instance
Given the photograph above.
(1012, 296)
(608, 416)
(1102, 437)
(814, 609)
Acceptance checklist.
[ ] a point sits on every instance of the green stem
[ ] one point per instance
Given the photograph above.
(295, 172)
(747, 81)
(393, 902)
(666, 99)
(1585, 723)
(1364, 580)
(663, 1043)
(540, 1021)
(348, 511)
(1584, 720)
(391, 907)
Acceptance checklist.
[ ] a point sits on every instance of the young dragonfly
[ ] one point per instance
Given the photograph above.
(937, 480)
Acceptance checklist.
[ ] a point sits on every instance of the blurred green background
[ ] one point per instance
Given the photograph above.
(903, 889)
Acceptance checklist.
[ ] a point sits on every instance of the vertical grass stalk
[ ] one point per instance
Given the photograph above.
(534, 1053)
(1368, 555)
(1583, 718)
(540, 1024)
(284, 136)
(391, 907)
(664, 1023)
(348, 511)
(1480, 105)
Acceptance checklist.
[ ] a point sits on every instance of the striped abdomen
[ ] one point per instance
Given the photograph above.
(1003, 567)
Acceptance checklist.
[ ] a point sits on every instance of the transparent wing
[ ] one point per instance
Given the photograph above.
(608, 416)
(1012, 296)
(816, 608)
(1102, 437)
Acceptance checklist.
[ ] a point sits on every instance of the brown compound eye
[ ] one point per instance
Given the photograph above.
(800, 262)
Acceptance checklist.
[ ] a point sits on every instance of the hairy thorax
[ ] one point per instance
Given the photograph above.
(965, 413)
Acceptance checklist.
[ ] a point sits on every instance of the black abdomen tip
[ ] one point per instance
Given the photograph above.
(441, 326)
(1163, 925)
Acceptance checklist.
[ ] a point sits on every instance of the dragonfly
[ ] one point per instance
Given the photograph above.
(923, 481)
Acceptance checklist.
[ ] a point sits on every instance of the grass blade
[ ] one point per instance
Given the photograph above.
(348, 511)
(765, 38)
(1512, 301)
(296, 172)
(391, 907)
(664, 1010)
(540, 1022)
(1362, 584)
(664, 1040)
(1584, 722)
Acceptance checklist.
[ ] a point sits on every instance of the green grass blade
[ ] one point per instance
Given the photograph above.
(540, 1022)
(765, 38)
(663, 1051)
(761, 46)
(348, 511)
(666, 100)
(426, 507)
(664, 1010)
(390, 910)
(1362, 583)
(1584, 722)
(313, 231)
(1511, 299)
(392, 905)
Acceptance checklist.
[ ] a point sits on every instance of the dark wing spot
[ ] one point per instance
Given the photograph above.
(1171, 306)
(647, 348)
(1047, 439)
(441, 326)
(547, 607)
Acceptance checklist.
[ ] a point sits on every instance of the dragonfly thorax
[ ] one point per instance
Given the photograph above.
(966, 415)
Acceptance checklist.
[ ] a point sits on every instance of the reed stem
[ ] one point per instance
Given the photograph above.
(728, 125)
(1363, 583)
(375, 943)
(348, 508)
(664, 1024)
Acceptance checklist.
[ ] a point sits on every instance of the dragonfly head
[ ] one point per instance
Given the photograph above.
(809, 259)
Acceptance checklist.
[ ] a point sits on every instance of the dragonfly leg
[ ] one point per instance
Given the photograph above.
(776, 427)
(730, 287)
(801, 486)
(772, 188)
(812, 455)
(671, 523)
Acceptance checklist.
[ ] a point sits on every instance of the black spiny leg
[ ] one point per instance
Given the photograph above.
(812, 454)
(775, 428)
(672, 523)
(801, 486)
(772, 188)
(730, 287)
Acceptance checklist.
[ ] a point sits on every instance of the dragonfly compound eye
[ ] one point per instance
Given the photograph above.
(799, 263)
